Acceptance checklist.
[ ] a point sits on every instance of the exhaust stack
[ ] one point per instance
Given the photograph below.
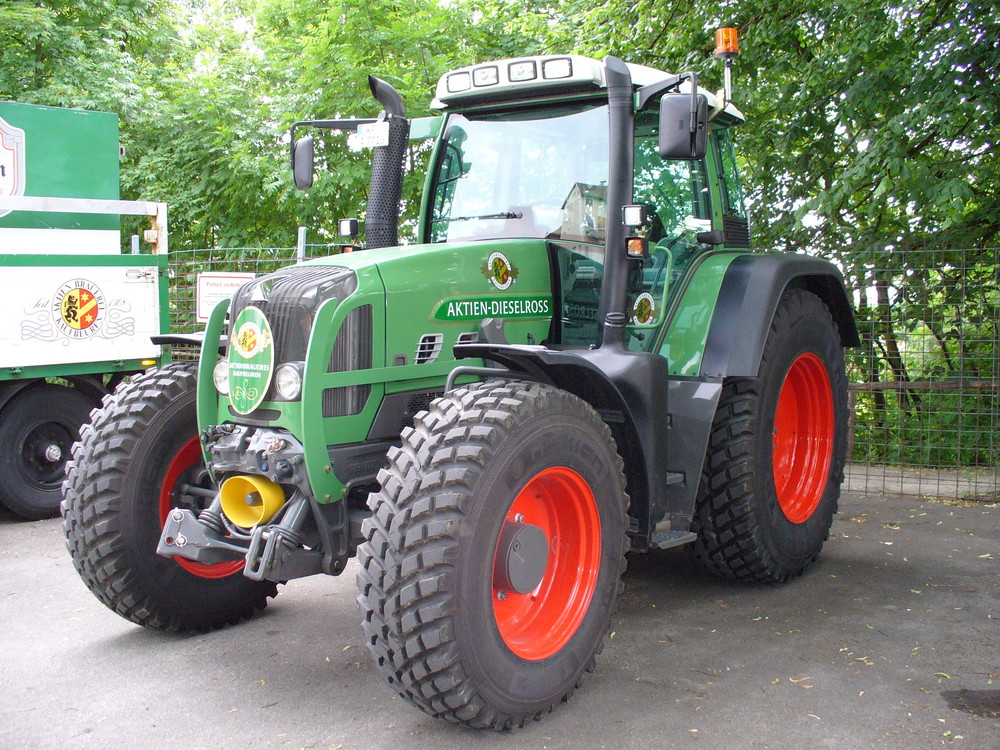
(385, 192)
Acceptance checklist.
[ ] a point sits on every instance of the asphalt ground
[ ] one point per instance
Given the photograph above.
(891, 641)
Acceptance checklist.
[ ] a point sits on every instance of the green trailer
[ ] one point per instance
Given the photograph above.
(78, 314)
(580, 358)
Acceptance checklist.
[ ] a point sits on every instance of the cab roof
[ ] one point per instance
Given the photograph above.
(523, 78)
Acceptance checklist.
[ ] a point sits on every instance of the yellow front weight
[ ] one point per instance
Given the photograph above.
(249, 500)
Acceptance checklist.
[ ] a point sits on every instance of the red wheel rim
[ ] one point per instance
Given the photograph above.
(190, 455)
(538, 624)
(803, 438)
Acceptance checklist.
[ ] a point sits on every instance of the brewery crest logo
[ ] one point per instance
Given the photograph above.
(78, 308)
(500, 271)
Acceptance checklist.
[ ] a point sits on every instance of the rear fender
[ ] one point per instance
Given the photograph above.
(748, 298)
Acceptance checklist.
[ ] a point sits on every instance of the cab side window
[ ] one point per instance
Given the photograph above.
(734, 213)
(732, 190)
(677, 191)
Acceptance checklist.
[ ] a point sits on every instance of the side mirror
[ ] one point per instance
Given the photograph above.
(303, 161)
(683, 126)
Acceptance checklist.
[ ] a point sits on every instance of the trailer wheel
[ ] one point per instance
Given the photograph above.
(775, 460)
(37, 430)
(133, 463)
(494, 554)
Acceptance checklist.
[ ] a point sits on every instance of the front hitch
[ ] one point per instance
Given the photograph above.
(273, 552)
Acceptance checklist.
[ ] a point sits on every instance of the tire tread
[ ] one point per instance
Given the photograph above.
(730, 541)
(92, 505)
(407, 557)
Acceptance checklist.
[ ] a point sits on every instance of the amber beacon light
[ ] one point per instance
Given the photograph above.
(727, 46)
(727, 43)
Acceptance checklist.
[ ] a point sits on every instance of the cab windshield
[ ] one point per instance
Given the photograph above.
(523, 174)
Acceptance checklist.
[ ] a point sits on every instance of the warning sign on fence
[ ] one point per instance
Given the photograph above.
(217, 286)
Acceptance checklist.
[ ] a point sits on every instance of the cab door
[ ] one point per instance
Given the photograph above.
(677, 195)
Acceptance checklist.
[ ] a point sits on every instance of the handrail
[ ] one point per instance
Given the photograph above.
(157, 236)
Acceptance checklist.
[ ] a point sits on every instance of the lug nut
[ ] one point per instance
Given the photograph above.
(502, 595)
(519, 517)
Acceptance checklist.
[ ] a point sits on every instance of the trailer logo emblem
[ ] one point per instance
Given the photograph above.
(500, 271)
(11, 161)
(78, 308)
(253, 362)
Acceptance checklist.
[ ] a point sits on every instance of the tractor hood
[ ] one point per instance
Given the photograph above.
(448, 289)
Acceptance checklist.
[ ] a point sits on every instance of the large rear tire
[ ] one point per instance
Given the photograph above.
(493, 558)
(37, 430)
(138, 458)
(771, 477)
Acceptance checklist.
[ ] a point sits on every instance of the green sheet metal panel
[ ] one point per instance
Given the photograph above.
(68, 153)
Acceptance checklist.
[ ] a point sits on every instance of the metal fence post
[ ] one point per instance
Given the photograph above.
(301, 245)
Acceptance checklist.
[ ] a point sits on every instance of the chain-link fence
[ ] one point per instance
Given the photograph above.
(925, 383)
(186, 266)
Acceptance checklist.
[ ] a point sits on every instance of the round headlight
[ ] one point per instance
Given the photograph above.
(288, 382)
(221, 376)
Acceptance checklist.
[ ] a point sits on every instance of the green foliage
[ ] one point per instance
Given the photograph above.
(206, 92)
(871, 137)
(867, 122)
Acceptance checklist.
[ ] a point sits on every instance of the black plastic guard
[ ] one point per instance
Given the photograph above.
(629, 391)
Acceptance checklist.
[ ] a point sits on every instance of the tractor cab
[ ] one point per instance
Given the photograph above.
(524, 152)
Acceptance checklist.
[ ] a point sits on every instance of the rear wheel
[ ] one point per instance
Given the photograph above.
(494, 554)
(139, 458)
(37, 430)
(775, 460)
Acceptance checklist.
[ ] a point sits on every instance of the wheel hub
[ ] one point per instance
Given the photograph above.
(521, 559)
(545, 571)
(43, 452)
(51, 452)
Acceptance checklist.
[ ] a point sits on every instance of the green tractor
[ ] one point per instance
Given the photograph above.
(580, 359)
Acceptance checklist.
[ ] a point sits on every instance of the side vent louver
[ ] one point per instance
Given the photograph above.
(352, 350)
(429, 348)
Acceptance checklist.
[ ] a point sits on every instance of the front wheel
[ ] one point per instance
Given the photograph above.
(139, 458)
(775, 460)
(494, 554)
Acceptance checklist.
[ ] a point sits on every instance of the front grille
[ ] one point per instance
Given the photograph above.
(289, 298)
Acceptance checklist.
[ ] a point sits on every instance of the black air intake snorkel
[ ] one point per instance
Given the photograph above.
(612, 307)
(382, 221)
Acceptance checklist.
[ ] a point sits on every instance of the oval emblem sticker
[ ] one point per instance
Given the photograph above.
(644, 310)
(500, 271)
(251, 360)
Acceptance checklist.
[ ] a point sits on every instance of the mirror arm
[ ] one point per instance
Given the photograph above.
(694, 102)
(653, 91)
(326, 125)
